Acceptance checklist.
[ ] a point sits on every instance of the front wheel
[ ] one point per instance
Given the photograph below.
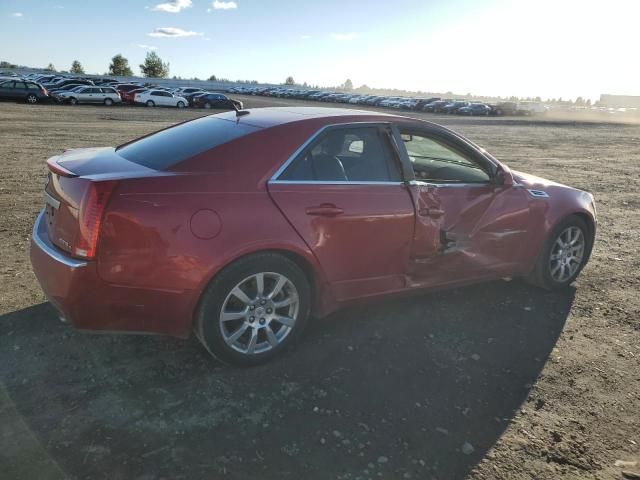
(73, 101)
(564, 254)
(253, 309)
(150, 103)
(108, 102)
(180, 104)
(207, 106)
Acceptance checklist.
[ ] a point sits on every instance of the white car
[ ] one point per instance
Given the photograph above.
(90, 94)
(160, 98)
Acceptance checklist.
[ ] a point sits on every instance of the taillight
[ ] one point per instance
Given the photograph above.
(92, 211)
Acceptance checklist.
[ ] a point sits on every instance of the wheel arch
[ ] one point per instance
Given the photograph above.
(304, 260)
(591, 225)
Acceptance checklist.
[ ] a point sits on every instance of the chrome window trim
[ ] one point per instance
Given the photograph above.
(420, 183)
(329, 182)
(308, 141)
(41, 239)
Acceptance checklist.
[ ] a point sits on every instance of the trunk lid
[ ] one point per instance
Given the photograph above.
(70, 180)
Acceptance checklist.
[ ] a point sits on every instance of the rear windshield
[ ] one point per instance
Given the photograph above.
(168, 147)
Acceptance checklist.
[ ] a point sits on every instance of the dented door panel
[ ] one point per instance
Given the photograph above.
(479, 230)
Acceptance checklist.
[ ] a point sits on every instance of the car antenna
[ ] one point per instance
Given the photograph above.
(240, 113)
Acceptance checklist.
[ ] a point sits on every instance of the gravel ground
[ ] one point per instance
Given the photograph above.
(494, 381)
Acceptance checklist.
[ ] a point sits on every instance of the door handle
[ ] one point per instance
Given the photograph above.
(431, 212)
(325, 210)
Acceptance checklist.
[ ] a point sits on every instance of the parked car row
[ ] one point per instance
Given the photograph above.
(35, 88)
(432, 105)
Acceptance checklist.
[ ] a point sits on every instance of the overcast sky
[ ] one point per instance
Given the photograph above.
(549, 48)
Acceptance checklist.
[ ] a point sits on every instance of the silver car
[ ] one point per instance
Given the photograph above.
(105, 95)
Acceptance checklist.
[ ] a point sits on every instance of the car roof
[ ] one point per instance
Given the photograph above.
(273, 116)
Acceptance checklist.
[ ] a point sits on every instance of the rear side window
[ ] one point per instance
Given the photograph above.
(168, 147)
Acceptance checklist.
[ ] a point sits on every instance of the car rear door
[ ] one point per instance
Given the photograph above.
(343, 193)
(7, 90)
(468, 225)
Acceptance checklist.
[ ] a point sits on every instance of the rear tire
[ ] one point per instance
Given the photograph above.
(563, 256)
(207, 106)
(243, 328)
(150, 103)
(32, 99)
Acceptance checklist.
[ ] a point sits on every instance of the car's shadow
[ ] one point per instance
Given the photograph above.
(421, 386)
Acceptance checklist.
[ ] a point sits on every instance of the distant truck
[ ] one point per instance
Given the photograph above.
(504, 108)
(520, 108)
(531, 108)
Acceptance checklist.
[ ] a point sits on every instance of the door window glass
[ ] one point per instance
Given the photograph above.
(435, 161)
(347, 155)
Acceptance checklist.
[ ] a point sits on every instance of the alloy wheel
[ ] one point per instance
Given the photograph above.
(567, 254)
(259, 313)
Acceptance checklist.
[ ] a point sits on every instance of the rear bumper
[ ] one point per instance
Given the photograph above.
(87, 302)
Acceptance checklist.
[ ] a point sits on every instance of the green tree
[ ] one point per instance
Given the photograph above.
(76, 67)
(212, 78)
(289, 81)
(348, 84)
(154, 67)
(4, 64)
(51, 68)
(120, 66)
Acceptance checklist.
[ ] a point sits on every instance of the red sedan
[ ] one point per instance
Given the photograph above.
(242, 225)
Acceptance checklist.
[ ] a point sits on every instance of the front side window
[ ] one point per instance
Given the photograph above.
(435, 161)
(359, 154)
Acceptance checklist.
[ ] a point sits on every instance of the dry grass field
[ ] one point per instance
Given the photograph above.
(496, 381)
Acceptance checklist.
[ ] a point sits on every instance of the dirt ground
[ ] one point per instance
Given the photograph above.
(496, 381)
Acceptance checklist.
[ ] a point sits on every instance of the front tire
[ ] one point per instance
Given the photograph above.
(253, 309)
(207, 106)
(108, 102)
(564, 255)
(150, 103)
(73, 101)
(180, 104)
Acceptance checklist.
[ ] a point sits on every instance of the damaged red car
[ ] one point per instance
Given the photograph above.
(241, 226)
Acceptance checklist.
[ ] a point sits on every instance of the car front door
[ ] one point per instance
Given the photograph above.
(471, 221)
(169, 99)
(344, 194)
(84, 95)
